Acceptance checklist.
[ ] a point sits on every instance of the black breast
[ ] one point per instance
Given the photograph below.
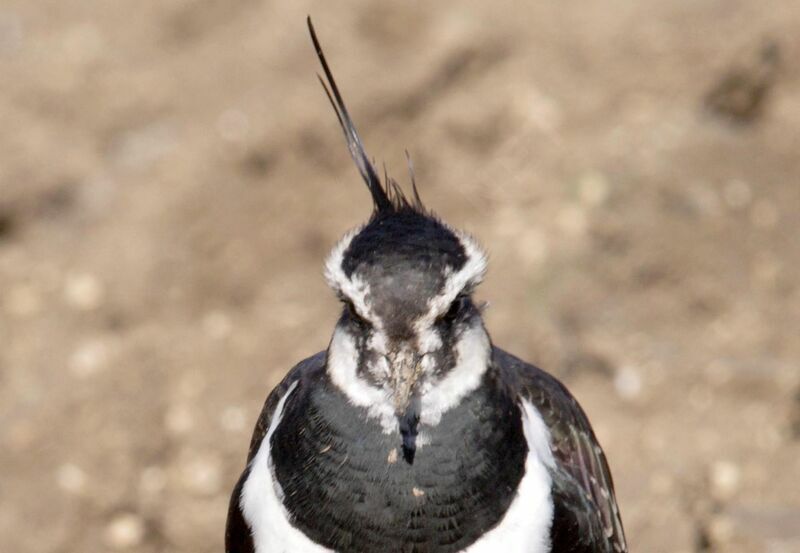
(347, 487)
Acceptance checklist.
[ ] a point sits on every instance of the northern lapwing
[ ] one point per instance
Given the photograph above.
(412, 432)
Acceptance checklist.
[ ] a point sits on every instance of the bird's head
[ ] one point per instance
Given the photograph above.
(405, 280)
(409, 329)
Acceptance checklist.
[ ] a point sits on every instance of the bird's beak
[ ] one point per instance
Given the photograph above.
(405, 369)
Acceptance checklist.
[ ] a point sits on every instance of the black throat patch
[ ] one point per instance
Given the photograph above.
(346, 484)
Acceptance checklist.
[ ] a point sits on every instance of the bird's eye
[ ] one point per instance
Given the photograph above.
(353, 315)
(455, 309)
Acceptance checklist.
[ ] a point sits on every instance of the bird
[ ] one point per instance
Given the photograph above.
(412, 432)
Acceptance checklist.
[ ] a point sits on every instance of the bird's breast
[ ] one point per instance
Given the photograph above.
(346, 485)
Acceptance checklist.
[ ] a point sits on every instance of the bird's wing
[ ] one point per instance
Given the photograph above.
(237, 532)
(586, 516)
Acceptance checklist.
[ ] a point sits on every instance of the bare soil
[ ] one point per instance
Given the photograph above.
(172, 177)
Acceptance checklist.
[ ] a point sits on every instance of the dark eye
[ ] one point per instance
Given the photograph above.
(353, 315)
(456, 308)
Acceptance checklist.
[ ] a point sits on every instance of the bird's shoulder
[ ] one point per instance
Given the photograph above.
(238, 534)
(305, 373)
(583, 490)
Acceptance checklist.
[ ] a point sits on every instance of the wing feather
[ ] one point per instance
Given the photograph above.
(586, 505)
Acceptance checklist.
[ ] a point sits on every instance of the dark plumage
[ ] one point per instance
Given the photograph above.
(586, 518)
(332, 494)
(404, 236)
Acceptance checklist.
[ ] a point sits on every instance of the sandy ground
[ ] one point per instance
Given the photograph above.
(171, 178)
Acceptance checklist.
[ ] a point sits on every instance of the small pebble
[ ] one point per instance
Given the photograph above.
(217, 325)
(139, 149)
(705, 199)
(83, 291)
(202, 475)
(89, 358)
(628, 383)
(539, 109)
(71, 478)
(153, 480)
(233, 419)
(125, 531)
(725, 479)
(179, 419)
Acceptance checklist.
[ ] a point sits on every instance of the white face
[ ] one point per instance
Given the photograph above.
(406, 331)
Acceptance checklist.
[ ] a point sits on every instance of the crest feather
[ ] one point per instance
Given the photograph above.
(387, 197)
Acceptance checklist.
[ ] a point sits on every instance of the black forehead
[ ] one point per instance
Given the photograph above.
(406, 237)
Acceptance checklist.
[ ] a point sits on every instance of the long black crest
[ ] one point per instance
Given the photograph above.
(388, 198)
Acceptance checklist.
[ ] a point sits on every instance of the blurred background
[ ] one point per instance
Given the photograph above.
(172, 177)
